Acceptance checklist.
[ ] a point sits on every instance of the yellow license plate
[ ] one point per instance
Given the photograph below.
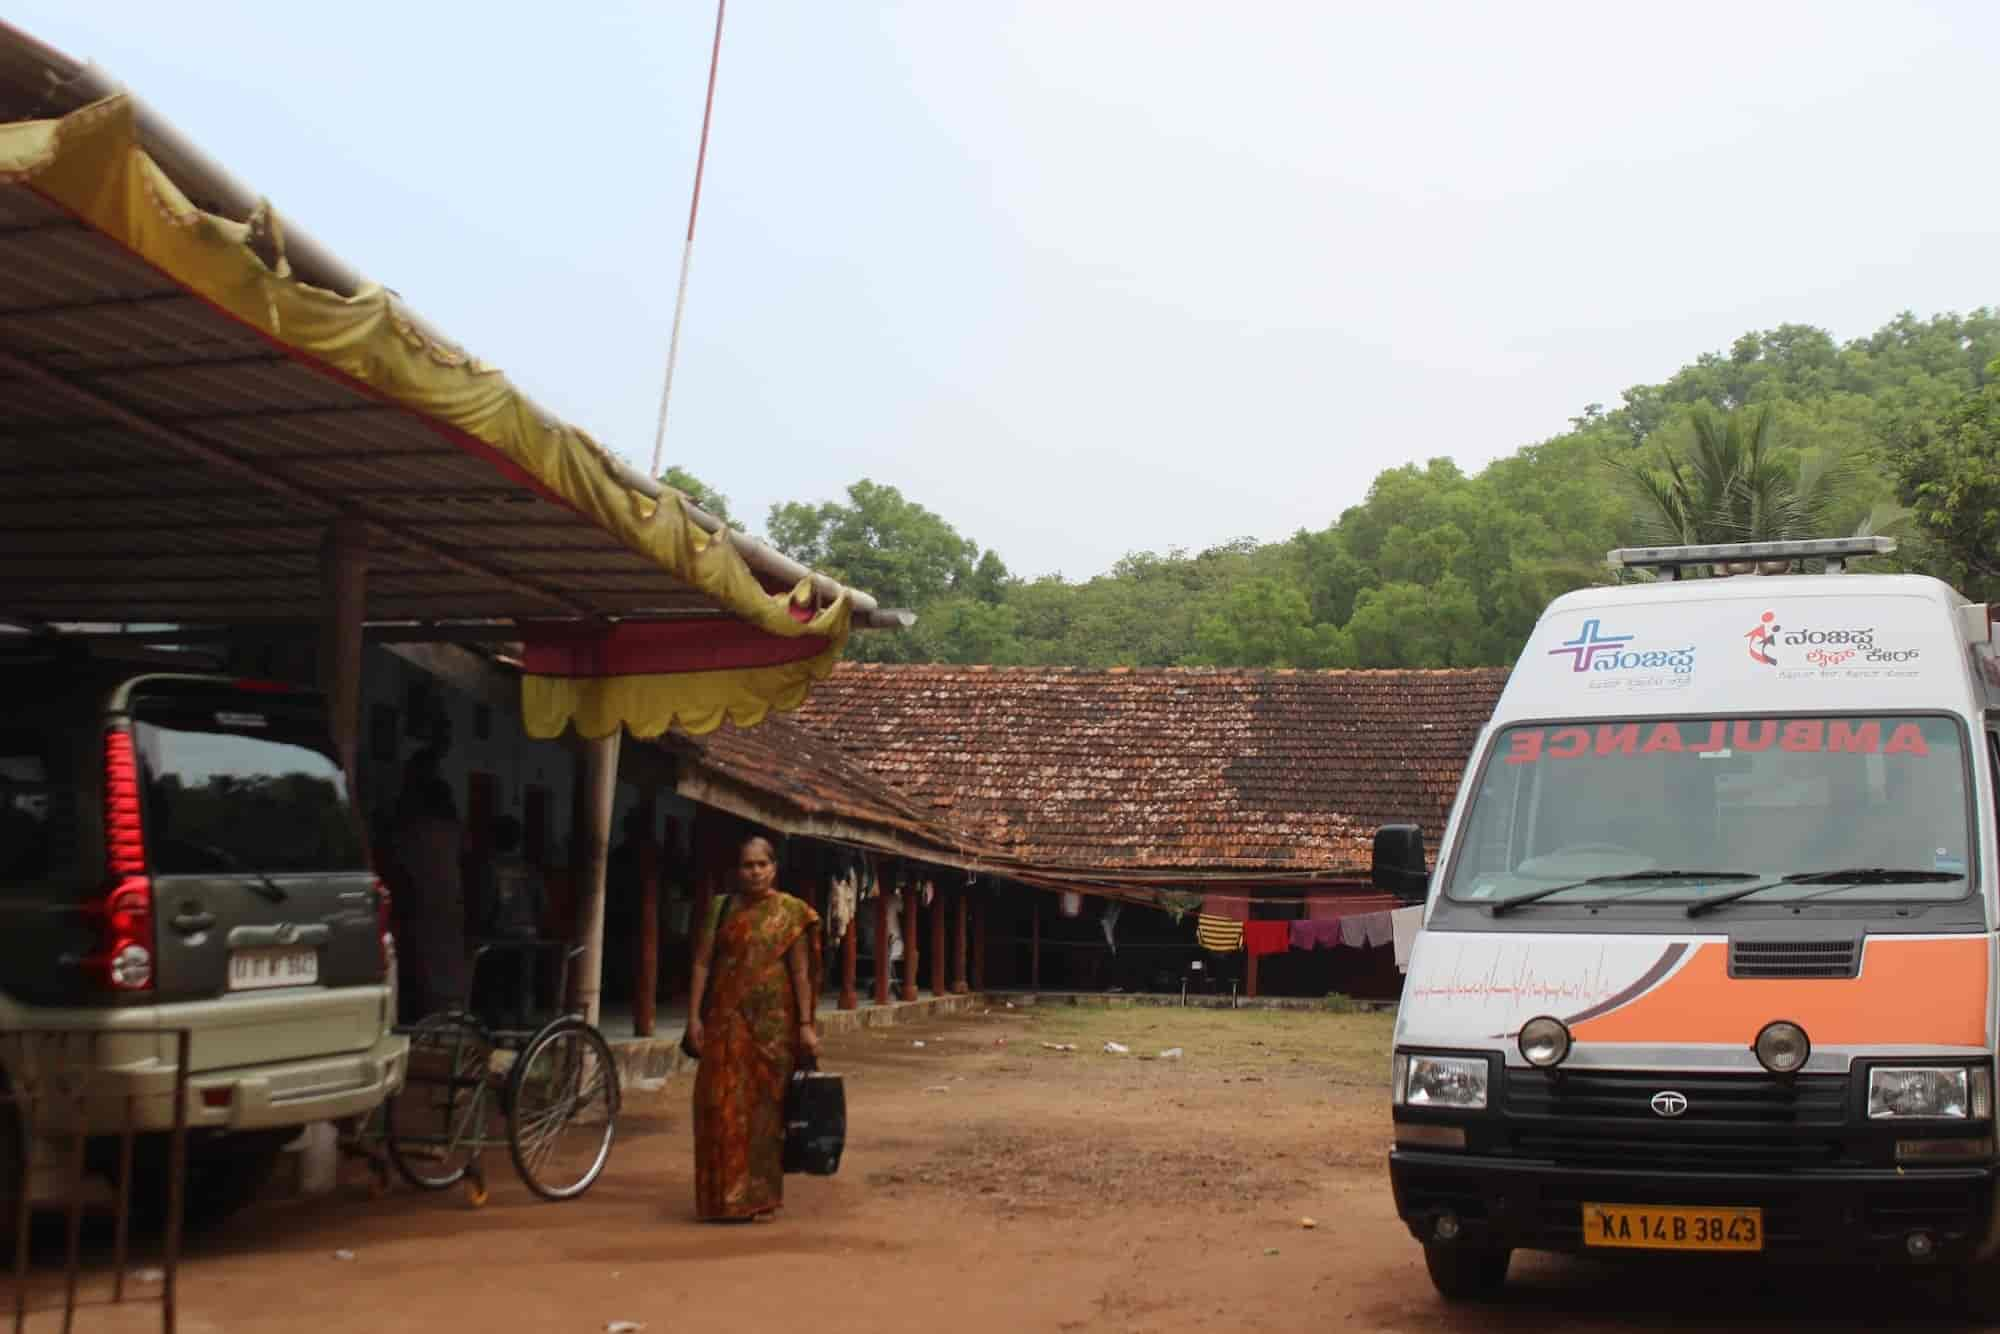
(1662, 1227)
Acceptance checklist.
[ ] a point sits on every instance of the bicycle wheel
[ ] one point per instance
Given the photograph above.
(432, 1129)
(562, 1109)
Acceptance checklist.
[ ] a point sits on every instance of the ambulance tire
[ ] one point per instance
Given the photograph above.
(1467, 1273)
(1976, 1290)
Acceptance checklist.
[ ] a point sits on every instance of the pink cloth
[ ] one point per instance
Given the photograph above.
(1315, 935)
(1266, 937)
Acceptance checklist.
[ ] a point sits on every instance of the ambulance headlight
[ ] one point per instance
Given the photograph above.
(1544, 1042)
(1782, 1047)
(1934, 1092)
(1455, 1083)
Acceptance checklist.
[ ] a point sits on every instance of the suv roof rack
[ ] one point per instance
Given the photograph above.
(1752, 557)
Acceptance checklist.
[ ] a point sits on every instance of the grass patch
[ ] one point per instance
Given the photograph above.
(1351, 1048)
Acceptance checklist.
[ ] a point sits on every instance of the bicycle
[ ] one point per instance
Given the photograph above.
(554, 1086)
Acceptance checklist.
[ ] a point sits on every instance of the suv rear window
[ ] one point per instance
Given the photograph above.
(29, 805)
(241, 785)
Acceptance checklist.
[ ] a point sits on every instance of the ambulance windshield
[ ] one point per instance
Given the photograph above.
(1624, 810)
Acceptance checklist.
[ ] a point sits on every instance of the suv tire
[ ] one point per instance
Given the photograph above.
(224, 1174)
(1467, 1273)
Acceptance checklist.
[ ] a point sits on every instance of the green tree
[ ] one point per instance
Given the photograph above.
(698, 491)
(1729, 484)
(1948, 473)
(878, 541)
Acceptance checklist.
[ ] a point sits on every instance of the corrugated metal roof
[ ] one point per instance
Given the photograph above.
(101, 522)
(161, 461)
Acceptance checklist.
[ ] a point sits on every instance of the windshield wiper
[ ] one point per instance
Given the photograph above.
(1845, 877)
(1623, 877)
(259, 880)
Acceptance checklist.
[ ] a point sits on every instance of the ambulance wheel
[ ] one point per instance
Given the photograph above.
(1976, 1291)
(1467, 1273)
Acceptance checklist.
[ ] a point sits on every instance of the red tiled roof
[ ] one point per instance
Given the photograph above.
(805, 775)
(1144, 769)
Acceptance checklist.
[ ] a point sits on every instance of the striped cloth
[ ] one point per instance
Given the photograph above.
(1220, 934)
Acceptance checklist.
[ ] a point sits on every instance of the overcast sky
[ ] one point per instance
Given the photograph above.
(1087, 278)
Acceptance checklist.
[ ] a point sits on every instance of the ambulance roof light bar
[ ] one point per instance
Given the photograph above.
(1752, 556)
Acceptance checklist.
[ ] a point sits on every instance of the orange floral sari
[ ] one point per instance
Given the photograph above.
(750, 1023)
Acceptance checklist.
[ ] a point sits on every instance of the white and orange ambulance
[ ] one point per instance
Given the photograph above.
(1708, 954)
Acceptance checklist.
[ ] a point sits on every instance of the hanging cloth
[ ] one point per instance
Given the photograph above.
(1261, 938)
(1219, 934)
(1109, 924)
(1311, 934)
(1403, 924)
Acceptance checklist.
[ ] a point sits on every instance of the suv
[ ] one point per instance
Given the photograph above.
(180, 851)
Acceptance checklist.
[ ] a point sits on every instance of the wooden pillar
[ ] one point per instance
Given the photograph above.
(1250, 975)
(646, 964)
(344, 606)
(601, 786)
(958, 983)
(940, 961)
(909, 942)
(881, 944)
(979, 911)
(1034, 942)
(850, 954)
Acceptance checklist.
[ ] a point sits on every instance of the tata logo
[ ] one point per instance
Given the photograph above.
(1669, 1103)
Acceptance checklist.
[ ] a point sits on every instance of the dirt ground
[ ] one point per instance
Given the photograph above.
(991, 1183)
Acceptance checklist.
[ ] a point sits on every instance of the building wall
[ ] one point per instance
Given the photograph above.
(485, 738)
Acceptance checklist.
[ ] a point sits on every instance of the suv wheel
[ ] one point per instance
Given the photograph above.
(1467, 1273)
(224, 1174)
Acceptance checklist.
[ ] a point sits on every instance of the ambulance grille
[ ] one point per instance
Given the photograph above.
(1794, 958)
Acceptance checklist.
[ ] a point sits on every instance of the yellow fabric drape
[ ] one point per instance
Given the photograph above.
(90, 162)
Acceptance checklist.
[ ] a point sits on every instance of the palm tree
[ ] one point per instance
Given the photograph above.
(1731, 487)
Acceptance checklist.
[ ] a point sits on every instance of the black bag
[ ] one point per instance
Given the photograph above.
(815, 1120)
(694, 1002)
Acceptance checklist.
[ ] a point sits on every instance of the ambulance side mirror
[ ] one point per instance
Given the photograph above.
(1398, 866)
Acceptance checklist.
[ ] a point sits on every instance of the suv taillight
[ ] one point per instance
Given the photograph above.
(123, 960)
(385, 929)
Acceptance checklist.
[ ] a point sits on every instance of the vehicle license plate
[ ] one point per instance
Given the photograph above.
(253, 970)
(1655, 1227)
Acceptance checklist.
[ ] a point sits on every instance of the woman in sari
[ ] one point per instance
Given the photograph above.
(756, 967)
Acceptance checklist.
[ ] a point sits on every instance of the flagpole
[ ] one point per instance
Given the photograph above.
(687, 249)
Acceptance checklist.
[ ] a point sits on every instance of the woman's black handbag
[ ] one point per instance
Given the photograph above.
(815, 1120)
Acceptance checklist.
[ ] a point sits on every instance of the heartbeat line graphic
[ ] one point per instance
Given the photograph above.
(1519, 979)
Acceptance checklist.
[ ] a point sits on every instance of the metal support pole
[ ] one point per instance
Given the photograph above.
(979, 911)
(646, 983)
(601, 786)
(176, 1186)
(344, 608)
(1035, 943)
(959, 909)
(881, 944)
(940, 971)
(909, 942)
(850, 963)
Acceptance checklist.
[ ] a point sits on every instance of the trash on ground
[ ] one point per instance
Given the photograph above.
(938, 1088)
(623, 1327)
(1060, 1046)
(149, 1276)
(917, 1043)
(1270, 1250)
(1172, 1054)
(1308, 1224)
(1117, 1049)
(343, 1255)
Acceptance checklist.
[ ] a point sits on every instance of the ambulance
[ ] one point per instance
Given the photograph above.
(1707, 961)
